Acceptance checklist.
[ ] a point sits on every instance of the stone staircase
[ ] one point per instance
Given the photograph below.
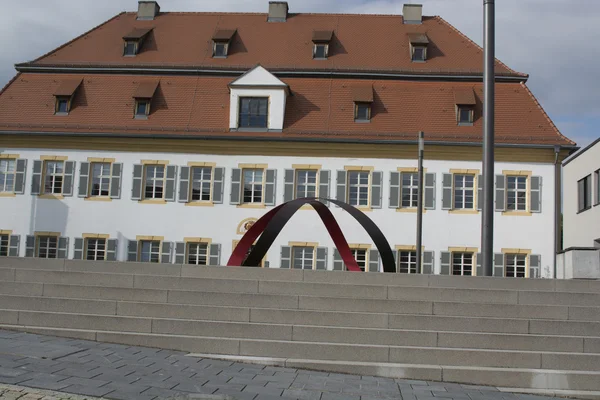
(513, 333)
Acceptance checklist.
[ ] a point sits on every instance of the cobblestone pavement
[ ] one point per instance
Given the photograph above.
(111, 371)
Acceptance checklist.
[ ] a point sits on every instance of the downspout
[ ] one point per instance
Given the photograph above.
(557, 206)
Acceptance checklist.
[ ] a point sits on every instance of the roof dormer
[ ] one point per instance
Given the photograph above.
(143, 96)
(221, 42)
(64, 95)
(321, 41)
(418, 46)
(134, 40)
(464, 100)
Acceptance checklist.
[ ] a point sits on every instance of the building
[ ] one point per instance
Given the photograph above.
(581, 215)
(160, 136)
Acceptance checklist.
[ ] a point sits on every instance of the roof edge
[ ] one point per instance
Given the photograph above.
(10, 82)
(581, 151)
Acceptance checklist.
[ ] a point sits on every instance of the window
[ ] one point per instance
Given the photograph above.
(155, 182)
(516, 193)
(53, 178)
(462, 263)
(407, 262)
(62, 105)
(253, 185)
(360, 255)
(464, 192)
(197, 253)
(4, 239)
(253, 112)
(306, 183)
(362, 112)
(201, 183)
(419, 53)
(303, 257)
(465, 115)
(95, 249)
(410, 189)
(358, 188)
(515, 265)
(142, 108)
(220, 49)
(597, 175)
(320, 51)
(150, 251)
(131, 47)
(7, 175)
(47, 247)
(584, 193)
(101, 174)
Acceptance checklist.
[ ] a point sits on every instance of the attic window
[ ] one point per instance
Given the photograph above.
(418, 46)
(134, 40)
(64, 95)
(464, 100)
(143, 98)
(221, 41)
(363, 98)
(321, 41)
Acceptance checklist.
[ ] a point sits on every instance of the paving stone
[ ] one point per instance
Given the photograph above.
(87, 390)
(302, 394)
(263, 390)
(339, 396)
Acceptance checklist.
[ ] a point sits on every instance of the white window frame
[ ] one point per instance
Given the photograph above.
(253, 183)
(297, 193)
(308, 255)
(195, 251)
(202, 182)
(362, 258)
(361, 187)
(416, 47)
(411, 263)
(155, 250)
(225, 45)
(51, 177)
(92, 245)
(462, 263)
(6, 172)
(4, 245)
(463, 189)
(517, 191)
(46, 244)
(412, 189)
(104, 179)
(512, 260)
(154, 179)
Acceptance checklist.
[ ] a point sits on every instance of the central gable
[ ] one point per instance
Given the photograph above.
(258, 76)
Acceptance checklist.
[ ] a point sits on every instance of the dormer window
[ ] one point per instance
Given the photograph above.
(143, 99)
(321, 41)
(254, 112)
(464, 100)
(132, 42)
(64, 95)
(221, 41)
(418, 46)
(363, 99)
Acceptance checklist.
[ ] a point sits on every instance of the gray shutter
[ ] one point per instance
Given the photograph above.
(218, 184)
(84, 179)
(132, 250)
(180, 253)
(535, 266)
(376, 189)
(270, 184)
(499, 264)
(341, 193)
(373, 261)
(479, 264)
(13, 245)
(115, 181)
(338, 263)
(236, 186)
(29, 246)
(286, 257)
(428, 262)
(445, 262)
(20, 176)
(78, 249)
(36, 178)
(394, 190)
(581, 195)
(67, 189)
(63, 247)
(112, 245)
(137, 186)
(446, 191)
(184, 184)
(165, 256)
(500, 193)
(321, 258)
(479, 192)
(536, 193)
(214, 254)
(288, 185)
(430, 192)
(170, 182)
(324, 181)
(395, 253)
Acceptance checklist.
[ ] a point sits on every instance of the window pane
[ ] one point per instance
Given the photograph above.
(418, 54)
(253, 112)
(4, 245)
(320, 51)
(220, 50)
(198, 253)
(7, 175)
(141, 108)
(62, 106)
(362, 111)
(464, 115)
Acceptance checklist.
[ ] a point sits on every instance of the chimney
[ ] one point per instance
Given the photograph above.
(278, 11)
(148, 10)
(413, 13)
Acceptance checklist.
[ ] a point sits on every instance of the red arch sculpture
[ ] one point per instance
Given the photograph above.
(270, 225)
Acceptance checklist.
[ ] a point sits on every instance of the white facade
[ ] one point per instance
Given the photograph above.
(581, 194)
(125, 219)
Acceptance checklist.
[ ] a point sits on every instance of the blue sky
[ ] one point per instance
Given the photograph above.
(555, 41)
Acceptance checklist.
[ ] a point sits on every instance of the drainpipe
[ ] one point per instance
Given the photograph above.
(557, 205)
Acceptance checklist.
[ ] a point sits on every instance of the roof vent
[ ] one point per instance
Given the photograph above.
(412, 13)
(278, 11)
(148, 10)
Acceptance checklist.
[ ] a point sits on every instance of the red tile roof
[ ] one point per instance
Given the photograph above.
(359, 43)
(318, 108)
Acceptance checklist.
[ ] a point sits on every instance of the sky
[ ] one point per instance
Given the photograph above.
(556, 42)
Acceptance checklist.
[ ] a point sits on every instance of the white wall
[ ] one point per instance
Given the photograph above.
(124, 219)
(580, 229)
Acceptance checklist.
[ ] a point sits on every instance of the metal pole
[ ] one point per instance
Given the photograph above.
(487, 220)
(557, 206)
(420, 204)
